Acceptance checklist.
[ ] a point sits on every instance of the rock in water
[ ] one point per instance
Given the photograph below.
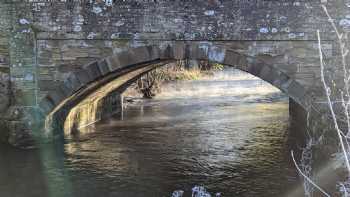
(177, 193)
(199, 191)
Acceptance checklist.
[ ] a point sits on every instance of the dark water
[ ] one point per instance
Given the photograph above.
(216, 134)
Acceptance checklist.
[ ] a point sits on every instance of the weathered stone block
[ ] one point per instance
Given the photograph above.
(154, 52)
(66, 90)
(138, 55)
(279, 78)
(245, 61)
(166, 52)
(74, 53)
(255, 68)
(93, 70)
(83, 76)
(296, 91)
(4, 131)
(288, 68)
(113, 62)
(103, 67)
(285, 85)
(232, 58)
(56, 96)
(179, 50)
(46, 105)
(216, 54)
(20, 134)
(25, 97)
(198, 51)
(133, 56)
(73, 82)
(266, 74)
(47, 85)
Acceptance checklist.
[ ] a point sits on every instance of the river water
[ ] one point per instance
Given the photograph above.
(229, 135)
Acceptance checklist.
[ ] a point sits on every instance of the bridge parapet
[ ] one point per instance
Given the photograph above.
(183, 20)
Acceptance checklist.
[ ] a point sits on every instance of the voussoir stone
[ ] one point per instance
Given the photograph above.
(198, 51)
(103, 67)
(83, 76)
(46, 105)
(232, 58)
(56, 96)
(73, 82)
(93, 70)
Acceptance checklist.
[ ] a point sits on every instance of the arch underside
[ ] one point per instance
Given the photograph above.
(116, 72)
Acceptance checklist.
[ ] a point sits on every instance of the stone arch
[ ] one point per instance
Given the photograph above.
(83, 82)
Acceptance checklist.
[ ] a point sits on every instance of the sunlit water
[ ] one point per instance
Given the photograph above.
(229, 136)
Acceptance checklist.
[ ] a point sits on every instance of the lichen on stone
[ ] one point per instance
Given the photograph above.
(264, 30)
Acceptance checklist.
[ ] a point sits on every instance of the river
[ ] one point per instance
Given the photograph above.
(230, 135)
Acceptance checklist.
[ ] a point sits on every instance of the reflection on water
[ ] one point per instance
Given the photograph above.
(234, 144)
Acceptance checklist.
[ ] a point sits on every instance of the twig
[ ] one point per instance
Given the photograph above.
(344, 53)
(307, 178)
(328, 93)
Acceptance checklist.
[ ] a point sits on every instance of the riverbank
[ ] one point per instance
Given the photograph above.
(150, 84)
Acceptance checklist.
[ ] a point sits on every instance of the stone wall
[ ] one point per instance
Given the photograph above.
(179, 19)
(5, 93)
(4, 61)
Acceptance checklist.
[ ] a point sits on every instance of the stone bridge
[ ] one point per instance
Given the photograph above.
(57, 55)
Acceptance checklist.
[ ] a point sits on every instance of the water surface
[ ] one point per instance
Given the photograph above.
(230, 136)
